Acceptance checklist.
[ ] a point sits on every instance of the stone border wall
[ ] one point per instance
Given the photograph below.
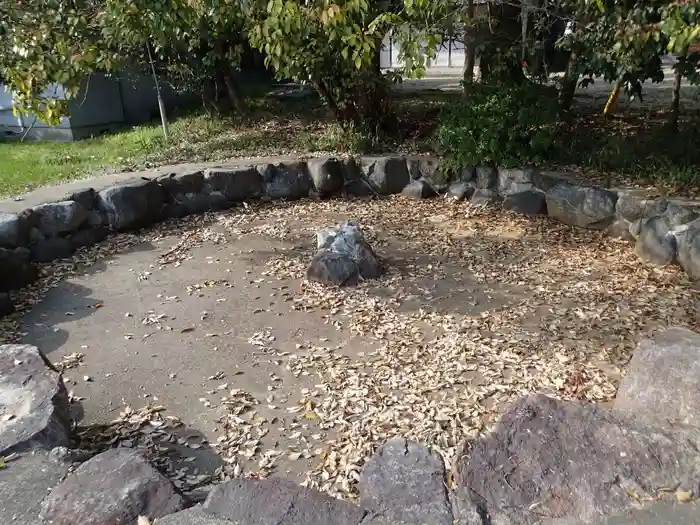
(664, 231)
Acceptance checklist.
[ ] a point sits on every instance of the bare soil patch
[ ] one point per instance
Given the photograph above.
(262, 373)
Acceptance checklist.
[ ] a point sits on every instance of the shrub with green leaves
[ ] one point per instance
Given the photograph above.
(505, 126)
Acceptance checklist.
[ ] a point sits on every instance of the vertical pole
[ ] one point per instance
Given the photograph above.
(161, 104)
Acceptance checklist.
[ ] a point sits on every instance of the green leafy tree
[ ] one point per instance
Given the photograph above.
(45, 43)
(194, 41)
(333, 46)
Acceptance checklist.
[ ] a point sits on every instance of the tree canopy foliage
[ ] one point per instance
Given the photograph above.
(331, 45)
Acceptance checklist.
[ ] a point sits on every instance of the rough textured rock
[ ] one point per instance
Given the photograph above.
(549, 458)
(406, 482)
(418, 189)
(428, 170)
(655, 241)
(633, 205)
(47, 250)
(88, 236)
(24, 482)
(582, 206)
(131, 205)
(663, 380)
(688, 245)
(286, 181)
(460, 190)
(526, 202)
(60, 217)
(69, 455)
(486, 178)
(467, 174)
(193, 516)
(344, 257)
(236, 184)
(484, 197)
(86, 198)
(16, 269)
(279, 501)
(178, 183)
(622, 229)
(6, 306)
(514, 181)
(334, 268)
(34, 401)
(116, 486)
(327, 175)
(661, 513)
(14, 230)
(387, 175)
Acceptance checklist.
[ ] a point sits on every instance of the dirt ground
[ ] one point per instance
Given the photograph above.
(254, 371)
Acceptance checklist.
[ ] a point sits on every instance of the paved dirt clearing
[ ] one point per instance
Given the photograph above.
(211, 318)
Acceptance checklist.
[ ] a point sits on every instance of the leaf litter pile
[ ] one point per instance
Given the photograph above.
(477, 308)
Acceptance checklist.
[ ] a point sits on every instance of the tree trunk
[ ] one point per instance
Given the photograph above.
(234, 93)
(676, 93)
(469, 48)
(568, 87)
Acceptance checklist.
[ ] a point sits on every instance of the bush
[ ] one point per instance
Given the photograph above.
(505, 126)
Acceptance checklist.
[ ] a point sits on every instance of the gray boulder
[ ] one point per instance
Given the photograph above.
(486, 178)
(236, 184)
(24, 483)
(327, 175)
(86, 198)
(344, 257)
(286, 181)
(484, 197)
(663, 380)
(582, 206)
(334, 268)
(460, 191)
(526, 203)
(60, 217)
(184, 182)
(418, 189)
(16, 269)
(406, 482)
(14, 230)
(116, 486)
(34, 401)
(633, 205)
(548, 459)
(420, 167)
(386, 175)
(47, 250)
(6, 305)
(131, 205)
(193, 516)
(88, 237)
(622, 229)
(278, 501)
(514, 181)
(688, 245)
(656, 242)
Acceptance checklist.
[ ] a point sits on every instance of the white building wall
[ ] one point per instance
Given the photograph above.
(29, 126)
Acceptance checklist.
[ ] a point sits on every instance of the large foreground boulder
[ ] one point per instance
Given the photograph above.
(406, 482)
(16, 269)
(386, 175)
(279, 501)
(115, 487)
(286, 181)
(60, 217)
(343, 257)
(131, 205)
(582, 206)
(688, 245)
(663, 381)
(549, 459)
(33, 401)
